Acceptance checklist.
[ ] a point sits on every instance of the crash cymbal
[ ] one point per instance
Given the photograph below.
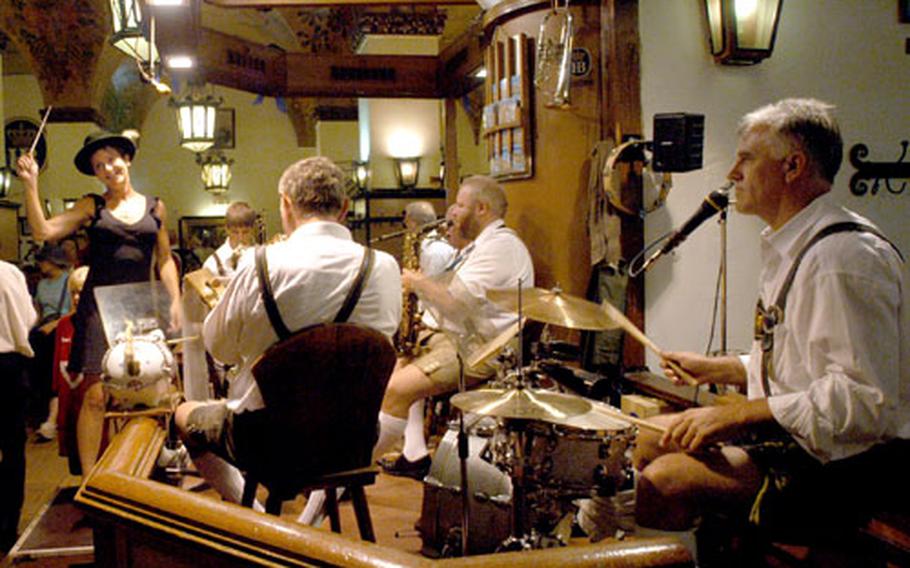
(553, 307)
(528, 404)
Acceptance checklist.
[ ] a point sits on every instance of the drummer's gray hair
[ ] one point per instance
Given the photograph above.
(489, 191)
(314, 185)
(802, 123)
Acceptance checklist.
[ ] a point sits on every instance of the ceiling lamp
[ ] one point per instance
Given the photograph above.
(407, 170)
(130, 31)
(216, 172)
(196, 119)
(742, 32)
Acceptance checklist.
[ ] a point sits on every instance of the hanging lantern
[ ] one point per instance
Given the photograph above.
(196, 120)
(131, 31)
(742, 32)
(216, 172)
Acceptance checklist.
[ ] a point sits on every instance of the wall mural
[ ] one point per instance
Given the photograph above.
(62, 41)
(894, 176)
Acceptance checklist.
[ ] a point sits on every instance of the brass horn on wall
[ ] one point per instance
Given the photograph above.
(554, 56)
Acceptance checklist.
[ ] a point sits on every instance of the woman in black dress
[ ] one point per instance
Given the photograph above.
(127, 231)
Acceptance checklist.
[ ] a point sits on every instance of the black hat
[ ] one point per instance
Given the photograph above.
(53, 254)
(98, 140)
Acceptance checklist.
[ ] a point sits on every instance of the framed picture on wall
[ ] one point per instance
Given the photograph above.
(200, 236)
(224, 128)
(903, 11)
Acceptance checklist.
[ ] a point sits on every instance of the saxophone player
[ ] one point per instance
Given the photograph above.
(435, 252)
(497, 258)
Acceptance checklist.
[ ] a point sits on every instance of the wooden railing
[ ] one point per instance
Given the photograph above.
(141, 522)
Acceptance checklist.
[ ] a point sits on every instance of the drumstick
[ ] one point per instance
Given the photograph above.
(40, 130)
(627, 325)
(641, 423)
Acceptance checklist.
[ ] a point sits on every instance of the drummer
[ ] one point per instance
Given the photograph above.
(827, 415)
(497, 258)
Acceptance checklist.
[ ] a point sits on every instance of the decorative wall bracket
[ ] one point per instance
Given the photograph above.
(880, 172)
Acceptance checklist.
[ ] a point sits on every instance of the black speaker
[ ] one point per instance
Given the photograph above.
(679, 141)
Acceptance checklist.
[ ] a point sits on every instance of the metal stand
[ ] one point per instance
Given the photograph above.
(463, 453)
(723, 280)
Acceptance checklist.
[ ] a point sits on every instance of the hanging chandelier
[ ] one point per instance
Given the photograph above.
(216, 172)
(742, 32)
(196, 119)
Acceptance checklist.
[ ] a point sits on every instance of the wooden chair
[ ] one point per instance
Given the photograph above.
(323, 388)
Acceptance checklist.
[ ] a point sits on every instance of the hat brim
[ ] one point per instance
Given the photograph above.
(83, 159)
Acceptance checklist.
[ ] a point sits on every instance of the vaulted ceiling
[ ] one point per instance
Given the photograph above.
(65, 44)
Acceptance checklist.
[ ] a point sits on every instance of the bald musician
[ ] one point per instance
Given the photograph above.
(827, 416)
(310, 275)
(497, 258)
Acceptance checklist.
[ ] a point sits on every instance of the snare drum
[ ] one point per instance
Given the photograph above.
(574, 460)
(490, 504)
(139, 370)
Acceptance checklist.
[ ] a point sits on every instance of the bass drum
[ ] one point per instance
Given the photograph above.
(490, 504)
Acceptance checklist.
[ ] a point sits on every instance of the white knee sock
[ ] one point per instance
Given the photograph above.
(225, 478)
(314, 511)
(415, 444)
(391, 429)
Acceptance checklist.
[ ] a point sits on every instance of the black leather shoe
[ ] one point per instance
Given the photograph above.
(402, 467)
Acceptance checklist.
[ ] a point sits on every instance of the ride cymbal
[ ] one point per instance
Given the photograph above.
(524, 403)
(553, 307)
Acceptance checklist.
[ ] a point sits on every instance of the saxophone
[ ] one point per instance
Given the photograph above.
(406, 340)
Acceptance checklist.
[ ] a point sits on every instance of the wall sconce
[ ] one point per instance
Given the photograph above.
(216, 172)
(407, 171)
(196, 119)
(742, 32)
(361, 174)
(6, 176)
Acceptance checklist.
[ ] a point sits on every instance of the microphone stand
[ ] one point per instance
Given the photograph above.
(723, 280)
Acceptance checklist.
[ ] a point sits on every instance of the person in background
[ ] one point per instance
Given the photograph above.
(68, 388)
(828, 377)
(240, 223)
(52, 300)
(435, 251)
(17, 316)
(127, 238)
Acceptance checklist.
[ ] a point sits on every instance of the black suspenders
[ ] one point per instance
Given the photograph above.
(271, 306)
(766, 319)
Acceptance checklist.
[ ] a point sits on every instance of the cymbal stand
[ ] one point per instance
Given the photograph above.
(463, 453)
(520, 537)
(723, 280)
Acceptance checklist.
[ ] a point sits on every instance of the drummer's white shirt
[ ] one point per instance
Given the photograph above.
(841, 354)
(311, 273)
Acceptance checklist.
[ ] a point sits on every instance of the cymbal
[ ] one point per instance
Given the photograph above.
(529, 404)
(494, 346)
(553, 307)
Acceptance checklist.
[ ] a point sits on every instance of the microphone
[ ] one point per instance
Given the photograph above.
(714, 203)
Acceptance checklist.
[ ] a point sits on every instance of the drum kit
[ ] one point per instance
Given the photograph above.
(522, 453)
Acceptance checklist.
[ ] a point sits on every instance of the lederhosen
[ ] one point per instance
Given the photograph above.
(798, 493)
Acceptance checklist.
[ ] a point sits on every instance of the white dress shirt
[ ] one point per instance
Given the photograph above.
(435, 255)
(840, 363)
(17, 313)
(497, 259)
(224, 253)
(311, 273)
